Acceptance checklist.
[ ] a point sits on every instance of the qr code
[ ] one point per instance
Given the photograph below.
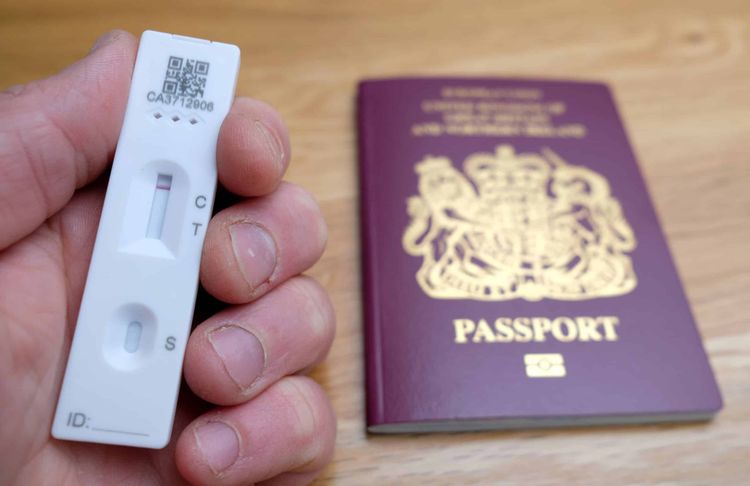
(185, 77)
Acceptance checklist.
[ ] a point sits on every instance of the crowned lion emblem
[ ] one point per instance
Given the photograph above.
(527, 226)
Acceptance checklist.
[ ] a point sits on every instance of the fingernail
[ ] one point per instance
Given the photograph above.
(104, 39)
(272, 142)
(255, 251)
(241, 353)
(218, 444)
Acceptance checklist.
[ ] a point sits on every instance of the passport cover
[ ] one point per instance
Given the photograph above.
(514, 271)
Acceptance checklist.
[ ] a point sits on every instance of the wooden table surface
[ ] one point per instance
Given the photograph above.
(681, 75)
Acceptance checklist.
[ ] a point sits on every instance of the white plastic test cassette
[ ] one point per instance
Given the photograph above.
(125, 363)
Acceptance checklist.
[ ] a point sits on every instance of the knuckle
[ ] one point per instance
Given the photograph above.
(307, 409)
(308, 212)
(301, 196)
(302, 410)
(317, 309)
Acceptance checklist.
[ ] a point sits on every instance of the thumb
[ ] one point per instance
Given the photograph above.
(58, 134)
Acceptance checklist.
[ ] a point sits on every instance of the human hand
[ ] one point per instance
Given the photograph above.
(263, 423)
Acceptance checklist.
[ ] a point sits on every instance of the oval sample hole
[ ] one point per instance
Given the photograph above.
(157, 115)
(175, 118)
(133, 336)
(130, 337)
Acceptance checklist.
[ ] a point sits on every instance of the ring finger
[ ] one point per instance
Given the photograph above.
(239, 352)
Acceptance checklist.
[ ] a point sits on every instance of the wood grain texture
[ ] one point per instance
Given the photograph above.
(681, 75)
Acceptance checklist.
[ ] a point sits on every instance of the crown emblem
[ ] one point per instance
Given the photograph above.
(511, 225)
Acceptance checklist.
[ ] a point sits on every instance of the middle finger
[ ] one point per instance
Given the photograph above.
(257, 244)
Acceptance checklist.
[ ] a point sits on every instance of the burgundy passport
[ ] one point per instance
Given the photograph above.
(515, 274)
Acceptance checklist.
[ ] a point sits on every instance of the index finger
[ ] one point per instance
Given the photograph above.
(252, 153)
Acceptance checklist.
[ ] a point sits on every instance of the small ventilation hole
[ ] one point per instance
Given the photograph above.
(193, 121)
(175, 118)
(157, 115)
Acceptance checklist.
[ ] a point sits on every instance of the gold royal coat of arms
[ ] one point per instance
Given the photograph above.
(527, 226)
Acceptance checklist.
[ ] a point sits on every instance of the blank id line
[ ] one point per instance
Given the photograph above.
(98, 429)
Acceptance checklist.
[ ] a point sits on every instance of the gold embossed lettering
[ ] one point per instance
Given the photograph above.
(522, 329)
(504, 330)
(541, 326)
(564, 329)
(587, 329)
(462, 328)
(609, 323)
(483, 333)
